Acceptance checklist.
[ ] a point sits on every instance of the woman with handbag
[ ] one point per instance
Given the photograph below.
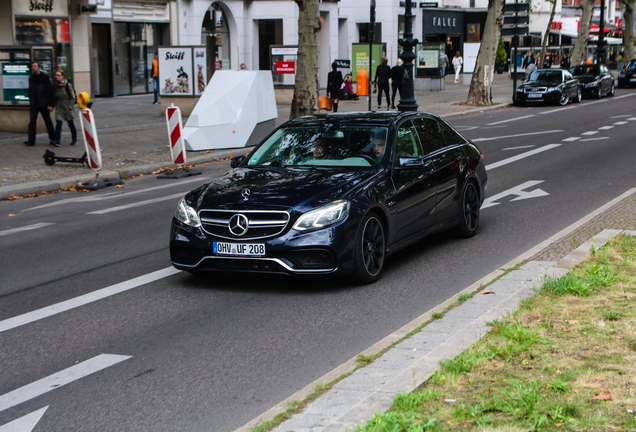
(334, 81)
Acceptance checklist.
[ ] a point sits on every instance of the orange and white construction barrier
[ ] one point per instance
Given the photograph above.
(175, 128)
(91, 142)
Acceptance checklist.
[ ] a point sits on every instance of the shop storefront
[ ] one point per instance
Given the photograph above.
(215, 36)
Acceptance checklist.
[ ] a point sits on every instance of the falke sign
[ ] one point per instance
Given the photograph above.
(444, 22)
(285, 67)
(41, 8)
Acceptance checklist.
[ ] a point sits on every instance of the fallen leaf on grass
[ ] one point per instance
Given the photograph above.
(615, 427)
(486, 292)
(528, 367)
(603, 396)
(559, 424)
(572, 321)
(11, 215)
(566, 330)
(597, 384)
(133, 153)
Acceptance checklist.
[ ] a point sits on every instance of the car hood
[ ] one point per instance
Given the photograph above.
(279, 188)
(540, 84)
(588, 79)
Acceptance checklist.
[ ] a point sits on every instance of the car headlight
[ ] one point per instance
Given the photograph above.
(593, 84)
(324, 216)
(187, 214)
(552, 89)
(520, 88)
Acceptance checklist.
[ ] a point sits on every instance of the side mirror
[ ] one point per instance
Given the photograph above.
(410, 162)
(236, 161)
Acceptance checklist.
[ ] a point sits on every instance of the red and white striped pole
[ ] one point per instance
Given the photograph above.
(93, 152)
(175, 129)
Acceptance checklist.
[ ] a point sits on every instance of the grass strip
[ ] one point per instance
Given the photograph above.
(566, 361)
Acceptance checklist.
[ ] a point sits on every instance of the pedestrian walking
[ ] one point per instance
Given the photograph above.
(397, 73)
(447, 65)
(547, 62)
(65, 99)
(526, 60)
(334, 82)
(382, 74)
(565, 62)
(530, 68)
(40, 102)
(458, 61)
(155, 78)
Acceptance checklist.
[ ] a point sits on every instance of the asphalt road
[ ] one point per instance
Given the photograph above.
(209, 354)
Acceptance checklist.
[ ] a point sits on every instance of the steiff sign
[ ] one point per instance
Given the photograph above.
(41, 8)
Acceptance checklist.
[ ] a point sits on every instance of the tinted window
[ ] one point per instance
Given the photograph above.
(451, 135)
(585, 70)
(568, 75)
(406, 142)
(431, 135)
(546, 76)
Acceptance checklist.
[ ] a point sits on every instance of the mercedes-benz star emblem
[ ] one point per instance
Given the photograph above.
(245, 193)
(238, 224)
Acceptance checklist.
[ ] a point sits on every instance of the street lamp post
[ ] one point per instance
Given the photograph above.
(407, 94)
(371, 38)
(600, 49)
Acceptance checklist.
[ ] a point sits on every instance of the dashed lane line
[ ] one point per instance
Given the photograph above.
(521, 156)
(511, 120)
(25, 228)
(590, 133)
(606, 128)
(595, 139)
(620, 123)
(571, 139)
(516, 135)
(137, 204)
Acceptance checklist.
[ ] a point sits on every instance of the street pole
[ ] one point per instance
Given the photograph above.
(515, 43)
(600, 49)
(407, 92)
(371, 37)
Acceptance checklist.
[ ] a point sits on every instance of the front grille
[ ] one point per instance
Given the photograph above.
(536, 90)
(260, 223)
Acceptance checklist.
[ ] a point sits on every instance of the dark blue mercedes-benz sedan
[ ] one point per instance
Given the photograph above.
(332, 194)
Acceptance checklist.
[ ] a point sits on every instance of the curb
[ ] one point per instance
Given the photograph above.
(124, 173)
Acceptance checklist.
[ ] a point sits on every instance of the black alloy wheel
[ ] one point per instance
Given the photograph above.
(565, 98)
(370, 250)
(599, 92)
(612, 91)
(469, 217)
(579, 96)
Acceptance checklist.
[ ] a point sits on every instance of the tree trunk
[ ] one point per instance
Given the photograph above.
(546, 36)
(305, 100)
(480, 92)
(629, 31)
(580, 48)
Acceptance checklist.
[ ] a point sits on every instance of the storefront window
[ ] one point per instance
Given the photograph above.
(47, 31)
(14, 78)
(215, 35)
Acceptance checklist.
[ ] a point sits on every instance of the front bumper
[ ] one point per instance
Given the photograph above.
(549, 97)
(325, 251)
(626, 81)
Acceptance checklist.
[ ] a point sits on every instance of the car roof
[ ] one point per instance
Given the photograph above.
(370, 117)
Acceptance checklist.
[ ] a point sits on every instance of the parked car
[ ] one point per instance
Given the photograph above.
(595, 79)
(549, 85)
(627, 77)
(332, 194)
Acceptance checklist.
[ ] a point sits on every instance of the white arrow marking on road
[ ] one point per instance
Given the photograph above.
(59, 379)
(520, 156)
(24, 424)
(25, 228)
(517, 190)
(515, 136)
(82, 300)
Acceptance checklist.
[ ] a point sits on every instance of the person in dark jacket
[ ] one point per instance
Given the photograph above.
(64, 107)
(382, 75)
(334, 81)
(565, 62)
(40, 101)
(397, 73)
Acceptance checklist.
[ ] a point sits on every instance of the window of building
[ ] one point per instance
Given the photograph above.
(215, 35)
(363, 32)
(45, 31)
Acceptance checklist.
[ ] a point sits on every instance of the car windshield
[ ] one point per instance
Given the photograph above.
(550, 77)
(585, 70)
(328, 145)
(632, 65)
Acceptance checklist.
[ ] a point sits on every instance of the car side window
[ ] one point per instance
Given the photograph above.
(430, 133)
(568, 75)
(406, 142)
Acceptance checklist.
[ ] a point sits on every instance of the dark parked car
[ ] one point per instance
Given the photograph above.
(596, 80)
(549, 85)
(627, 77)
(332, 194)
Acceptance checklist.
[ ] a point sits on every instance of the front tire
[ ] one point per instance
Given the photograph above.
(469, 211)
(599, 93)
(612, 91)
(579, 96)
(565, 98)
(370, 250)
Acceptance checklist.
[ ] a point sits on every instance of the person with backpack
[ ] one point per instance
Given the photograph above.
(65, 99)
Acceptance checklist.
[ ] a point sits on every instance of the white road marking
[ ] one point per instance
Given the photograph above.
(517, 190)
(510, 120)
(516, 135)
(521, 156)
(559, 110)
(25, 228)
(596, 102)
(137, 204)
(466, 128)
(572, 139)
(36, 315)
(590, 133)
(517, 148)
(631, 118)
(595, 139)
(606, 128)
(112, 195)
(25, 423)
(620, 123)
(59, 379)
(621, 116)
(624, 96)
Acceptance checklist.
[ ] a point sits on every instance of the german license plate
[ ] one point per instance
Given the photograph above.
(239, 249)
(534, 95)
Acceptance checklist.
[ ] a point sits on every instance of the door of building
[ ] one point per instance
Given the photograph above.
(102, 79)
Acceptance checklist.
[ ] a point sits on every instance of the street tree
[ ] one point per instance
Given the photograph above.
(628, 15)
(305, 99)
(578, 55)
(480, 92)
(546, 36)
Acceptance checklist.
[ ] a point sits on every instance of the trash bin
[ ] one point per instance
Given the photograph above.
(362, 83)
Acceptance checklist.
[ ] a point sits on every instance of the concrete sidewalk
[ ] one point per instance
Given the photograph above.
(134, 140)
